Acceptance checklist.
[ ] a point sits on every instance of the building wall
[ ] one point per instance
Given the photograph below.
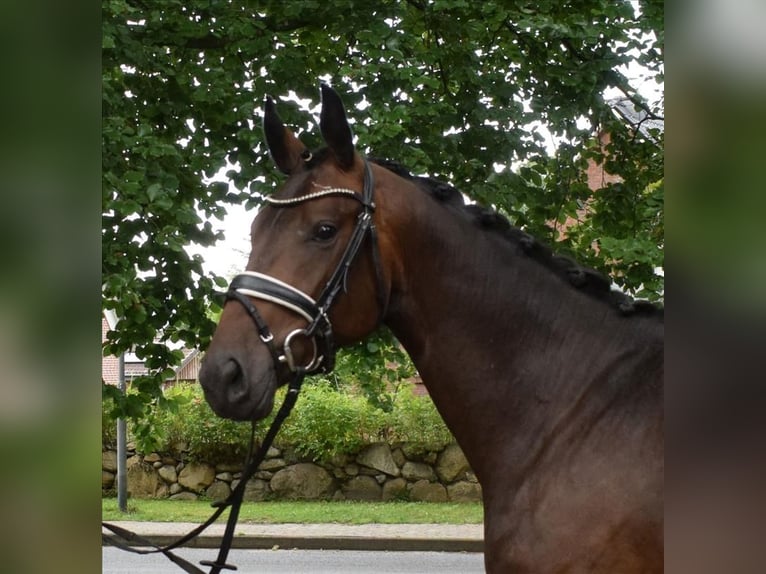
(598, 177)
(109, 364)
(110, 373)
(190, 367)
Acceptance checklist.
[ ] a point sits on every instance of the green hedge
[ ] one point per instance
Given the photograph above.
(325, 423)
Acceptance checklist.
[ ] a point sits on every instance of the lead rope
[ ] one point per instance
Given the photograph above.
(234, 500)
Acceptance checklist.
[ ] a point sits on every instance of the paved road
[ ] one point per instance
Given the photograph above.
(116, 561)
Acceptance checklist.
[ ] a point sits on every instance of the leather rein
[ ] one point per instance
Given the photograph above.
(319, 331)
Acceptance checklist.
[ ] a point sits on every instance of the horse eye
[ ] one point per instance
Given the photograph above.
(325, 232)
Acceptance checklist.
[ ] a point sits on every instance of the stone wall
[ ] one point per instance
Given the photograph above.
(378, 472)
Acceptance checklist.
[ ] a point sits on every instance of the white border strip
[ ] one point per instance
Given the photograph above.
(272, 299)
(281, 302)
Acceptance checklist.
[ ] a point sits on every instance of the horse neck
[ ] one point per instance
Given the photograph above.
(503, 345)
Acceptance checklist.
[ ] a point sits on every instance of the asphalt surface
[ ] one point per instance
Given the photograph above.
(393, 537)
(115, 561)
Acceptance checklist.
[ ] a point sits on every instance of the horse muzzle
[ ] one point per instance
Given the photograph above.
(232, 391)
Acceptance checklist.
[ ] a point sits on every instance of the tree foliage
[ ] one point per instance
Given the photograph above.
(471, 92)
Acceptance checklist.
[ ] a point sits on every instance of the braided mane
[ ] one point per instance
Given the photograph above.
(582, 278)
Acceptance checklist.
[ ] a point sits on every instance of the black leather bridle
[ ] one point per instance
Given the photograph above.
(251, 284)
(319, 331)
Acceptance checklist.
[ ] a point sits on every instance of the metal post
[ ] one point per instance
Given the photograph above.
(122, 474)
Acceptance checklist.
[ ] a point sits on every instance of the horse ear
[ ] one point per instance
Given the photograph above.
(287, 150)
(335, 129)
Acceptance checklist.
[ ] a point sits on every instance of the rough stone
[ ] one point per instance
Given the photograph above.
(379, 472)
(366, 471)
(219, 490)
(197, 476)
(412, 451)
(273, 452)
(451, 463)
(418, 471)
(362, 488)
(168, 473)
(338, 460)
(378, 456)
(185, 495)
(430, 458)
(228, 467)
(398, 456)
(424, 491)
(272, 464)
(256, 490)
(109, 460)
(143, 481)
(464, 492)
(305, 480)
(395, 489)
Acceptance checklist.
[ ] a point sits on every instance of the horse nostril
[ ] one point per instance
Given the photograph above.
(233, 379)
(231, 372)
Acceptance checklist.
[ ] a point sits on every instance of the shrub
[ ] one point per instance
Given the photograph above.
(108, 424)
(206, 436)
(414, 419)
(327, 422)
(375, 366)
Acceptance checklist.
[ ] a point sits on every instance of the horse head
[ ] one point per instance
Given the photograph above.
(317, 275)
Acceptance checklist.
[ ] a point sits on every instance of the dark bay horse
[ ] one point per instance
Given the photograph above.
(551, 382)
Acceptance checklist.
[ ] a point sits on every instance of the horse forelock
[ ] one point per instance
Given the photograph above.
(584, 279)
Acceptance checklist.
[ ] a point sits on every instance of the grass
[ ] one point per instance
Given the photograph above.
(303, 512)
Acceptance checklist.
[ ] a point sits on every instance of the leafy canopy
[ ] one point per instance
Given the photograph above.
(458, 89)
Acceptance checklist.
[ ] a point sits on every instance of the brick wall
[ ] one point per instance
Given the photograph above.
(110, 364)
